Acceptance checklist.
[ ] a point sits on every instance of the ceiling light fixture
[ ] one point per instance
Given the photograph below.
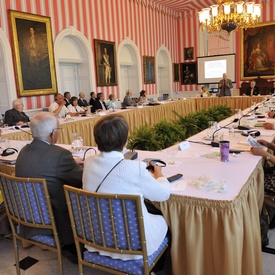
(229, 15)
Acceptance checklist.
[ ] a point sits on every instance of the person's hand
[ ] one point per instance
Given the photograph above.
(19, 123)
(62, 103)
(157, 171)
(263, 142)
(271, 114)
(268, 126)
(258, 152)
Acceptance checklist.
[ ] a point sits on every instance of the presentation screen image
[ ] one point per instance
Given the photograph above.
(211, 68)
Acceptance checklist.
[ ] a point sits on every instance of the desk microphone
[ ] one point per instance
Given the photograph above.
(18, 128)
(243, 127)
(216, 144)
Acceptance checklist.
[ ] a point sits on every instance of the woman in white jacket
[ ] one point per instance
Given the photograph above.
(127, 177)
(74, 108)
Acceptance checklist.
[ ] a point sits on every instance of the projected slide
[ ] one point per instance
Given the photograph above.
(213, 69)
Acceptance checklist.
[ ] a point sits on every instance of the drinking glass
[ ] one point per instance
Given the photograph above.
(171, 155)
(77, 143)
(211, 128)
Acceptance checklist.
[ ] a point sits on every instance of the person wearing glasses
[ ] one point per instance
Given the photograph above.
(109, 172)
(43, 159)
(16, 116)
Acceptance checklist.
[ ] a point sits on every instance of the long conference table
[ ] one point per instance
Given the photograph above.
(213, 211)
(137, 117)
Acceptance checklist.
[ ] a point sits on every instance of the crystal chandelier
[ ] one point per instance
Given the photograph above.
(229, 15)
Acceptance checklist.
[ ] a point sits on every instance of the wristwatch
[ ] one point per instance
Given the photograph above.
(268, 157)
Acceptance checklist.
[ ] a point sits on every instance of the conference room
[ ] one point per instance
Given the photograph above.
(170, 49)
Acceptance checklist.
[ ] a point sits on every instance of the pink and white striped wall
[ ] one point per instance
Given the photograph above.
(147, 25)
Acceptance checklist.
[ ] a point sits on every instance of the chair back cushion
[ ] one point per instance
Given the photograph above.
(26, 200)
(111, 221)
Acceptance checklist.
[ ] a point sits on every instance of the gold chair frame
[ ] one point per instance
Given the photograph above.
(83, 240)
(14, 206)
(7, 169)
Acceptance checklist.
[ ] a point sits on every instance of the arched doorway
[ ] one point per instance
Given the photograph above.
(129, 68)
(73, 59)
(164, 72)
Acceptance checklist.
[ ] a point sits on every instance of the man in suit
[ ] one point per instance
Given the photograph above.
(99, 103)
(92, 99)
(67, 98)
(127, 101)
(252, 89)
(43, 159)
(225, 86)
(82, 101)
(16, 116)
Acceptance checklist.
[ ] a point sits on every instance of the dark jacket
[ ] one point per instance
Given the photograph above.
(97, 105)
(57, 165)
(13, 116)
(256, 90)
(82, 102)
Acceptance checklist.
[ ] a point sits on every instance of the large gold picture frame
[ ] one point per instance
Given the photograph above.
(149, 69)
(33, 54)
(258, 51)
(105, 58)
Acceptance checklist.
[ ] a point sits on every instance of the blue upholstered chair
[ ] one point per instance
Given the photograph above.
(111, 223)
(28, 203)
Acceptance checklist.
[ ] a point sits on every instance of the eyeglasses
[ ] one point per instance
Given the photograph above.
(56, 129)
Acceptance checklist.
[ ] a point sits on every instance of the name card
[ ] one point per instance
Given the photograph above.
(140, 106)
(184, 145)
(101, 113)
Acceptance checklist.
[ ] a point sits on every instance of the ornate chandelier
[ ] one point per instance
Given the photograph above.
(229, 15)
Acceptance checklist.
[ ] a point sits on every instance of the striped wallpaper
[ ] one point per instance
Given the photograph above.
(113, 20)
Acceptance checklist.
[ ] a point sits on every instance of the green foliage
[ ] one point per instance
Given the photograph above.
(167, 133)
(144, 139)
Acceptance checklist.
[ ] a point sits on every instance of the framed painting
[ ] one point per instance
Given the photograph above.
(149, 69)
(188, 73)
(33, 55)
(176, 72)
(257, 51)
(189, 53)
(105, 58)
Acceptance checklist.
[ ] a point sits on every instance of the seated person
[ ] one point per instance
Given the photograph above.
(74, 108)
(142, 98)
(92, 99)
(127, 101)
(58, 107)
(67, 97)
(16, 116)
(43, 159)
(252, 89)
(127, 177)
(272, 91)
(82, 102)
(99, 105)
(204, 92)
(113, 102)
(269, 176)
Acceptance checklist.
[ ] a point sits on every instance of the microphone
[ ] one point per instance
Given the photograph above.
(216, 144)
(243, 127)
(18, 128)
